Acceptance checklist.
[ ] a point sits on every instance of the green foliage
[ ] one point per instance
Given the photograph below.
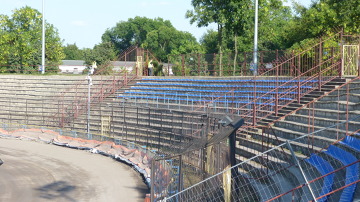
(158, 69)
(20, 42)
(157, 35)
(72, 52)
(323, 17)
(209, 42)
(102, 54)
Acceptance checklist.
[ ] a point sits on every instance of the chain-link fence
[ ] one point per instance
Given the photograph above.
(284, 173)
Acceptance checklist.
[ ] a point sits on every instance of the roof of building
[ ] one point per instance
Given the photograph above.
(73, 62)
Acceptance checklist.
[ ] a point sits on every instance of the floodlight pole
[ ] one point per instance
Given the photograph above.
(88, 103)
(43, 39)
(256, 38)
(88, 115)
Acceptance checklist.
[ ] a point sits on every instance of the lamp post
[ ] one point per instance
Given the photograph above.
(88, 104)
(89, 79)
(43, 39)
(256, 39)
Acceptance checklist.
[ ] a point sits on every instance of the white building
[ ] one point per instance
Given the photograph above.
(72, 66)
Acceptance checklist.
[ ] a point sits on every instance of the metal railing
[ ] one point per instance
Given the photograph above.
(280, 172)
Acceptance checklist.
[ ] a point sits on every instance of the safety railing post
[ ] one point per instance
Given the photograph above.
(341, 55)
(254, 105)
(180, 186)
(299, 80)
(183, 64)
(277, 90)
(152, 176)
(297, 163)
(320, 63)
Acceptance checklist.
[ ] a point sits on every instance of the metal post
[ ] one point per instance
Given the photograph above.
(256, 38)
(320, 64)
(180, 186)
(183, 64)
(43, 39)
(254, 105)
(299, 84)
(152, 180)
(88, 104)
(342, 55)
(277, 90)
(296, 161)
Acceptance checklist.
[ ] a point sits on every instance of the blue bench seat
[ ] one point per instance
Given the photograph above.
(192, 100)
(201, 95)
(205, 90)
(226, 80)
(351, 142)
(324, 168)
(219, 85)
(352, 172)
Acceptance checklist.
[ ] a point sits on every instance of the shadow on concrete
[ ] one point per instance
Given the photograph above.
(142, 189)
(56, 190)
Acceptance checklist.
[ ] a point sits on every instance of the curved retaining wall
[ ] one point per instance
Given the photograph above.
(127, 152)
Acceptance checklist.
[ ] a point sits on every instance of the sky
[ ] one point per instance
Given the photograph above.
(84, 21)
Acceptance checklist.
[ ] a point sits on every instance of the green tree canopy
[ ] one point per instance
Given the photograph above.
(157, 35)
(20, 42)
(72, 52)
(102, 54)
(323, 17)
(132, 32)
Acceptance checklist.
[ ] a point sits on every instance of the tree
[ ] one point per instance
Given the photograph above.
(20, 42)
(72, 52)
(165, 41)
(157, 35)
(323, 17)
(102, 54)
(210, 11)
(132, 32)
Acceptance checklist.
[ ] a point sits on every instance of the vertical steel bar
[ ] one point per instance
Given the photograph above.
(347, 109)
(254, 104)
(198, 60)
(180, 186)
(168, 72)
(183, 64)
(296, 161)
(341, 66)
(320, 63)
(299, 73)
(152, 187)
(277, 90)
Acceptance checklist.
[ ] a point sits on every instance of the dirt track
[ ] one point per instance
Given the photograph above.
(35, 171)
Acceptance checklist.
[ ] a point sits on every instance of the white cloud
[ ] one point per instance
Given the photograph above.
(79, 23)
(157, 3)
(164, 3)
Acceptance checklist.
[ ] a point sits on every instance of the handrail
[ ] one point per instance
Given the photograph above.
(313, 101)
(276, 68)
(287, 92)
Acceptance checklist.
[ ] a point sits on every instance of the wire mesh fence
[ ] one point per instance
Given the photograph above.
(284, 173)
(226, 64)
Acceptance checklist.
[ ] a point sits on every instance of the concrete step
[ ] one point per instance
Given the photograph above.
(321, 122)
(300, 146)
(328, 113)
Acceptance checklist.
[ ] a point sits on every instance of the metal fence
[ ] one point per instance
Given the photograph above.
(283, 173)
(226, 64)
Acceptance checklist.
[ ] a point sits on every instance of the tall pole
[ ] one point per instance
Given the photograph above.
(256, 38)
(88, 104)
(43, 39)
